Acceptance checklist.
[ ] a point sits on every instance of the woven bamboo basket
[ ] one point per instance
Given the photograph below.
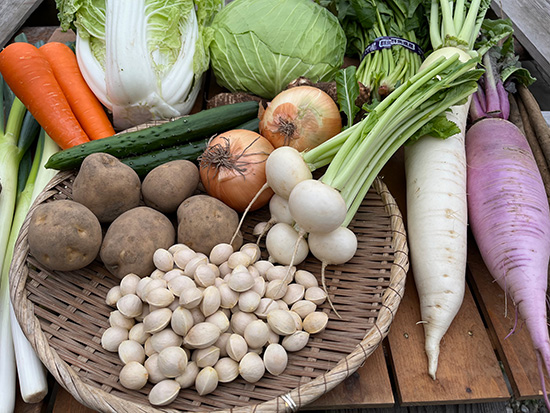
(63, 314)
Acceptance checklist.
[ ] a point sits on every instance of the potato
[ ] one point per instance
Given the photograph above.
(106, 186)
(64, 235)
(204, 221)
(132, 239)
(168, 185)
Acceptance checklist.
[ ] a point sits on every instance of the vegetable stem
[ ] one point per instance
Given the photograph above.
(435, 29)
(468, 33)
(458, 18)
(32, 376)
(341, 171)
(458, 27)
(10, 157)
(385, 68)
(447, 19)
(406, 111)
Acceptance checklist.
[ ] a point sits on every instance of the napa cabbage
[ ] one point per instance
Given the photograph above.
(143, 59)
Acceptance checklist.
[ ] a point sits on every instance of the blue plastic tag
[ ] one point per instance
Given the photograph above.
(386, 42)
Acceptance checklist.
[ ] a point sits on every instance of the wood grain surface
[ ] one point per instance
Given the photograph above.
(531, 27)
(514, 346)
(13, 14)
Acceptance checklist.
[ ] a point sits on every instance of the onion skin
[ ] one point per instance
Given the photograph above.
(301, 117)
(232, 168)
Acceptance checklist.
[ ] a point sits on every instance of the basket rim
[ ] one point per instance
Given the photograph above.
(293, 400)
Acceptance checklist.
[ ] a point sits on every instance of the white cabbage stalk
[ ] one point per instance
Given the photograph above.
(140, 77)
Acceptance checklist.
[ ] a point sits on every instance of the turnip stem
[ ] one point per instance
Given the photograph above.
(352, 160)
(385, 152)
(317, 158)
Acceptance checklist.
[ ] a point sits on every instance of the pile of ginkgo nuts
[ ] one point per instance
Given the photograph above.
(200, 320)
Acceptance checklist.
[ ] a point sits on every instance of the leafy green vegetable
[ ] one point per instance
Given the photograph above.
(371, 26)
(455, 23)
(356, 155)
(143, 59)
(259, 46)
(497, 40)
(347, 90)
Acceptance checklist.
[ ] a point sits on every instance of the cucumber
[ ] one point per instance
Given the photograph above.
(190, 151)
(142, 164)
(185, 129)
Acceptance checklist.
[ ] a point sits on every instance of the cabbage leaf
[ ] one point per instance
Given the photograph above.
(259, 46)
(144, 59)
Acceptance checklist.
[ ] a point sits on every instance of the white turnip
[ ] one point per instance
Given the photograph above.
(316, 207)
(332, 248)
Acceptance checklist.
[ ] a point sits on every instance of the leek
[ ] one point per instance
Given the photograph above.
(33, 384)
(16, 137)
(10, 158)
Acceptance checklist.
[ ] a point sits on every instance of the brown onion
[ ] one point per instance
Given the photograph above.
(232, 168)
(301, 117)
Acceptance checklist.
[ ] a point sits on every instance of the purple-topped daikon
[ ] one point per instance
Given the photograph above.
(508, 211)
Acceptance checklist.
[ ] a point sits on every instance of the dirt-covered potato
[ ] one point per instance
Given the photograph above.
(64, 235)
(131, 240)
(168, 185)
(204, 221)
(106, 186)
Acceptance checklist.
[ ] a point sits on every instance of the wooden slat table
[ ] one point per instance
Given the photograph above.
(476, 361)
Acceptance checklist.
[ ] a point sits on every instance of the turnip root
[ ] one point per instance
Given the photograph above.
(285, 245)
(510, 221)
(335, 247)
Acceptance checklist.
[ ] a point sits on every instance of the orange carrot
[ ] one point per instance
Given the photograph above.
(30, 77)
(87, 108)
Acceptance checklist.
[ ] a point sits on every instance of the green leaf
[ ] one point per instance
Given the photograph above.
(493, 32)
(347, 90)
(497, 40)
(439, 127)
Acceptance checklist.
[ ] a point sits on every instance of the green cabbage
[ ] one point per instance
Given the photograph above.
(259, 46)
